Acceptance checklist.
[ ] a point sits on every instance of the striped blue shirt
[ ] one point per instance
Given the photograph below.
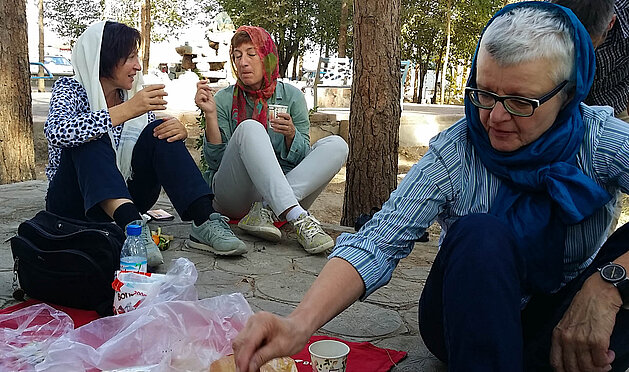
(450, 181)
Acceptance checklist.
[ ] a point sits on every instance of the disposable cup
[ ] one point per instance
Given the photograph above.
(276, 109)
(150, 81)
(328, 356)
(148, 85)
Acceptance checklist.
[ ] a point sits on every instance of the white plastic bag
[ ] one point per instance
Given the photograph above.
(166, 336)
(177, 286)
(133, 290)
(26, 334)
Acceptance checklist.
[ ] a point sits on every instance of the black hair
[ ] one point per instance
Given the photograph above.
(119, 42)
(594, 14)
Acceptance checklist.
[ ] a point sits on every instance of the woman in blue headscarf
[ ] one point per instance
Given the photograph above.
(524, 189)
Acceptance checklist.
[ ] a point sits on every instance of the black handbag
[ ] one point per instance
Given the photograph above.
(67, 262)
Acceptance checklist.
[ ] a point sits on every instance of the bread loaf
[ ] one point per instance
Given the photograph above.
(227, 364)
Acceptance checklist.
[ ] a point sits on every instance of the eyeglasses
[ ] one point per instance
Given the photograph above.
(515, 105)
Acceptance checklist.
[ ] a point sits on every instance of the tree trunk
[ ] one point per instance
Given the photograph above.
(300, 74)
(444, 70)
(343, 28)
(295, 62)
(434, 95)
(41, 83)
(422, 76)
(16, 132)
(374, 128)
(287, 48)
(145, 26)
(416, 84)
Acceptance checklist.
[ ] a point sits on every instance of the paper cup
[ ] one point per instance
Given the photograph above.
(276, 109)
(150, 79)
(328, 356)
(148, 85)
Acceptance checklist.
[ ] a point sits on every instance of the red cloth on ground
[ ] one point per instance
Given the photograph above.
(363, 356)
(79, 316)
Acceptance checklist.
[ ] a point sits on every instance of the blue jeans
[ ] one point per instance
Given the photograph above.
(88, 174)
(469, 311)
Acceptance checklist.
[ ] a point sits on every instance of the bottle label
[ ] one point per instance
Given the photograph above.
(133, 263)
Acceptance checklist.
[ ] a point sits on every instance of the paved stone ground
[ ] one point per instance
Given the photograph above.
(272, 276)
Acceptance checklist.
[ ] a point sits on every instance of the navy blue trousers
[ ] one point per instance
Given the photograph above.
(469, 311)
(88, 174)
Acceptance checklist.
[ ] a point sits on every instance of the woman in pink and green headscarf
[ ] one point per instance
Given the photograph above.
(257, 145)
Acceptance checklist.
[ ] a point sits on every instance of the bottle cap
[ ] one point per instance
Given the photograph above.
(134, 230)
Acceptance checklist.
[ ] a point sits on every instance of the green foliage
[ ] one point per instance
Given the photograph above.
(69, 18)
(295, 25)
(326, 24)
(201, 123)
(423, 31)
(469, 19)
(168, 17)
(199, 143)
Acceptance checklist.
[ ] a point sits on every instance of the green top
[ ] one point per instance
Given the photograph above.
(285, 94)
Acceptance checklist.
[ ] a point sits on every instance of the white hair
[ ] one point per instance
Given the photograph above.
(526, 34)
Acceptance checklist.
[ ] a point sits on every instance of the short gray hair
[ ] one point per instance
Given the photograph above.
(525, 34)
(594, 14)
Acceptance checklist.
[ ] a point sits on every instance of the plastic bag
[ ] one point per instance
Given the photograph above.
(133, 290)
(167, 336)
(177, 286)
(26, 334)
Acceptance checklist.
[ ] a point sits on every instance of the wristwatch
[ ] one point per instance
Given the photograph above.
(617, 275)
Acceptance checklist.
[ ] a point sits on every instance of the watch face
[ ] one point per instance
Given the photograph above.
(613, 273)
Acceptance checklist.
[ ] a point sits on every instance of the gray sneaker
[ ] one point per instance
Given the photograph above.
(153, 254)
(310, 234)
(259, 222)
(215, 236)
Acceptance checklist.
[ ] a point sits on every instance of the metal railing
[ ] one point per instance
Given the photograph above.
(46, 71)
(322, 69)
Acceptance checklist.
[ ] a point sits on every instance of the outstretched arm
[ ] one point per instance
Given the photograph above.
(267, 336)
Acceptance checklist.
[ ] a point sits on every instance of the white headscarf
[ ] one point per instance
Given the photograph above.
(86, 63)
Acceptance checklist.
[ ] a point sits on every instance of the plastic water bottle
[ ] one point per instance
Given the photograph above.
(133, 253)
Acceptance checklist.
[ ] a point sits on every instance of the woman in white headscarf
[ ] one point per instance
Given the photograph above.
(109, 157)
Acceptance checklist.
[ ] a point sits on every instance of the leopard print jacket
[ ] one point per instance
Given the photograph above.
(71, 123)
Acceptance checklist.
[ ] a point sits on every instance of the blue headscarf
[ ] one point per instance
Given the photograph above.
(543, 191)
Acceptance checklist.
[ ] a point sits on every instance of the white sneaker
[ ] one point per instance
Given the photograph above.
(259, 222)
(310, 234)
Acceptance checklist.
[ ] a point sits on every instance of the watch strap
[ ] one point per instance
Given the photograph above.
(623, 288)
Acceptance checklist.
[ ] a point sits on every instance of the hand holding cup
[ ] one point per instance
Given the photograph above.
(150, 98)
(281, 121)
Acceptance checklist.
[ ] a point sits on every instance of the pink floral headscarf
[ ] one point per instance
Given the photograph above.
(267, 51)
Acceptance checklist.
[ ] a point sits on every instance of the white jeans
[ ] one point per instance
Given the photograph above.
(250, 172)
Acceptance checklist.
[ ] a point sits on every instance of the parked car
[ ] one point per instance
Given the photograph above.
(57, 65)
